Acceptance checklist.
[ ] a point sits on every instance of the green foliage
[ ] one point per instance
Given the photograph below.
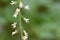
(44, 18)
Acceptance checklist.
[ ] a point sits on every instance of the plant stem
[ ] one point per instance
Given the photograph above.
(20, 24)
(21, 29)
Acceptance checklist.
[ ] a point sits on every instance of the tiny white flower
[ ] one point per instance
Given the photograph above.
(26, 20)
(15, 15)
(25, 37)
(27, 7)
(16, 12)
(21, 5)
(25, 33)
(12, 2)
(14, 25)
(13, 33)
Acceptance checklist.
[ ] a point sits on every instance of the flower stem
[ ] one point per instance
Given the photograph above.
(20, 24)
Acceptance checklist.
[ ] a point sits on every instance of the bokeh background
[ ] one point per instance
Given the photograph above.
(44, 18)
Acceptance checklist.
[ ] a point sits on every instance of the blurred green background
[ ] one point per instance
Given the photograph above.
(44, 18)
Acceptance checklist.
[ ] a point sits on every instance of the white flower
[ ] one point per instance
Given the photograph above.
(21, 5)
(25, 33)
(16, 12)
(15, 15)
(13, 33)
(26, 20)
(27, 7)
(12, 2)
(25, 37)
(14, 25)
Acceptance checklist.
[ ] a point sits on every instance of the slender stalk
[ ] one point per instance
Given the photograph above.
(20, 24)
(21, 29)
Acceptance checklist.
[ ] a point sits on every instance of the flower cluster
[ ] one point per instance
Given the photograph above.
(17, 11)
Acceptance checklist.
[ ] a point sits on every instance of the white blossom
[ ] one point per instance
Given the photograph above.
(21, 5)
(27, 7)
(25, 33)
(13, 33)
(14, 25)
(16, 12)
(25, 37)
(12, 2)
(26, 20)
